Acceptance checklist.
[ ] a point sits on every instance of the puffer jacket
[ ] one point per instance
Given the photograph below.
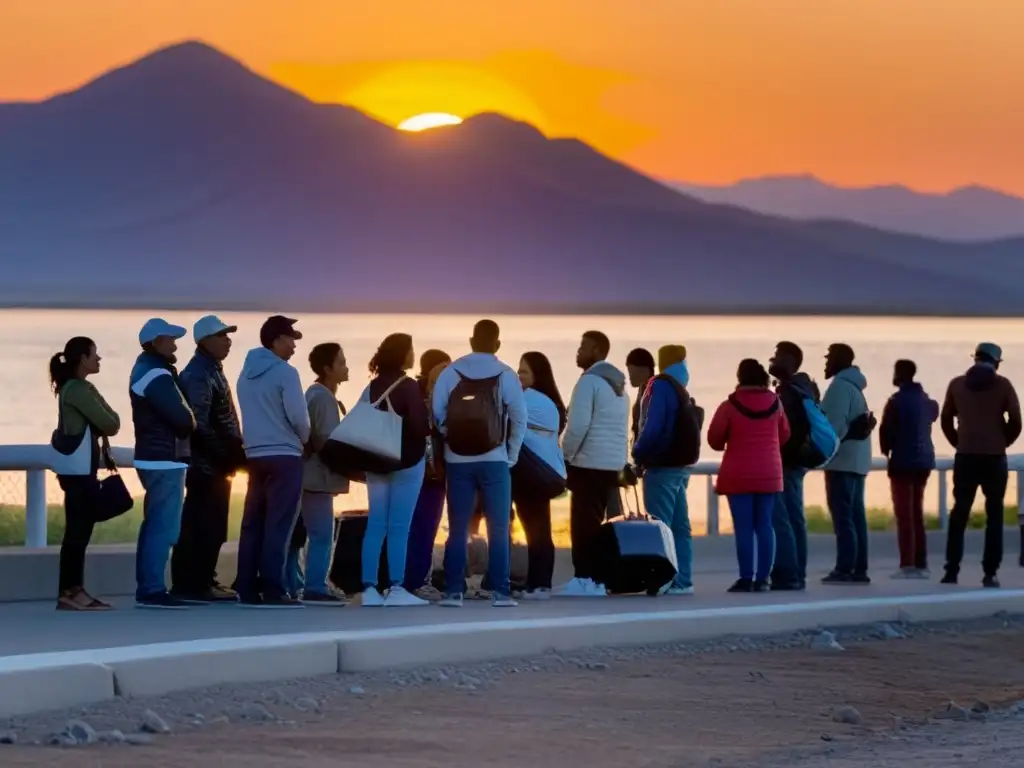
(217, 442)
(750, 427)
(905, 434)
(597, 430)
(161, 416)
(842, 405)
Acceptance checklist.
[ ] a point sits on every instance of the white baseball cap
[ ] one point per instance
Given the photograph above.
(157, 327)
(210, 325)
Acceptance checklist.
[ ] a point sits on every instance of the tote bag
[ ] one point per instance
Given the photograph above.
(370, 429)
(70, 454)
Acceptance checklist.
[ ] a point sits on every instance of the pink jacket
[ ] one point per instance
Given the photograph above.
(751, 427)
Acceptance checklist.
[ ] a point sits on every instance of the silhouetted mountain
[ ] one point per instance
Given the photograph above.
(968, 213)
(187, 180)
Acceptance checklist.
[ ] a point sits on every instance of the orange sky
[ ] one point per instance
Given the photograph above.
(923, 92)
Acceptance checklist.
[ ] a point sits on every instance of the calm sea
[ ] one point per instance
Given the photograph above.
(941, 348)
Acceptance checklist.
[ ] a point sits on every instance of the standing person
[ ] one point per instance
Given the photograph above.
(905, 436)
(393, 495)
(670, 429)
(980, 418)
(217, 454)
(163, 425)
(794, 389)
(319, 484)
(640, 368)
(540, 470)
(594, 446)
(847, 411)
(479, 407)
(426, 518)
(81, 409)
(751, 427)
(275, 428)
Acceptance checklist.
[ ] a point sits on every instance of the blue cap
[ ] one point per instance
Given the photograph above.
(157, 327)
(210, 325)
(989, 350)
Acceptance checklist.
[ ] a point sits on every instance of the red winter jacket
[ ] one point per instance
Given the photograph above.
(750, 427)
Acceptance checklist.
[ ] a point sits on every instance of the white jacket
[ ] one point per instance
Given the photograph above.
(597, 434)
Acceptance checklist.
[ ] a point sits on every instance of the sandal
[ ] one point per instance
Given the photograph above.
(77, 599)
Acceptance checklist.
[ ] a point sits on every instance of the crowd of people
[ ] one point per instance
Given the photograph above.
(488, 441)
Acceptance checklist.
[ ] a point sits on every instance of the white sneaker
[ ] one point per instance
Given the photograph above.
(451, 601)
(576, 588)
(536, 594)
(503, 601)
(679, 591)
(398, 598)
(371, 598)
(905, 573)
(596, 590)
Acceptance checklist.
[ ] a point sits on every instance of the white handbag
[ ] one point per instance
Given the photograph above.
(70, 455)
(370, 429)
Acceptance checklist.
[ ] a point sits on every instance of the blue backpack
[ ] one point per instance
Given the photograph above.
(822, 442)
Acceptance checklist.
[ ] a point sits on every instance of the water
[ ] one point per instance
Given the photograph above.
(941, 348)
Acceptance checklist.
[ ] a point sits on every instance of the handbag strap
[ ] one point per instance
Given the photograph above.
(106, 455)
(387, 393)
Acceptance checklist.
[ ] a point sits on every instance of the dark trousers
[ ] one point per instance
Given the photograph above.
(535, 515)
(426, 519)
(908, 506)
(271, 509)
(591, 491)
(790, 525)
(845, 494)
(971, 472)
(79, 520)
(204, 529)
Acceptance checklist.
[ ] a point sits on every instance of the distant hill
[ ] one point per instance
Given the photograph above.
(968, 213)
(186, 180)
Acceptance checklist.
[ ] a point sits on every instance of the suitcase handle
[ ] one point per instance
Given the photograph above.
(628, 513)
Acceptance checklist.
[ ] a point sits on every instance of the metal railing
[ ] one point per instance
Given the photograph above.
(33, 460)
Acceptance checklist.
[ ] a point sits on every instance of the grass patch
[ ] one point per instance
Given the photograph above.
(818, 520)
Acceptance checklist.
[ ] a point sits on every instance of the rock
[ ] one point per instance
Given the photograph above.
(138, 739)
(112, 737)
(81, 732)
(8, 737)
(953, 711)
(153, 723)
(597, 666)
(307, 704)
(219, 720)
(63, 740)
(826, 737)
(468, 681)
(825, 641)
(981, 708)
(889, 632)
(257, 712)
(847, 715)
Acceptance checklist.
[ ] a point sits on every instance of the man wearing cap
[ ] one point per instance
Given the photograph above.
(980, 419)
(217, 454)
(275, 428)
(163, 424)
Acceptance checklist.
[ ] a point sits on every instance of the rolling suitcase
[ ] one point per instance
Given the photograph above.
(347, 566)
(635, 553)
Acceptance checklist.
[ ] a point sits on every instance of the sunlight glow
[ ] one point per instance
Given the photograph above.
(428, 120)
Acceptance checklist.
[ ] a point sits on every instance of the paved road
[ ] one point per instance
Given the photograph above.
(37, 627)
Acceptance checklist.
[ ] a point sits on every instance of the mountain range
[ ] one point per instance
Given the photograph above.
(966, 213)
(186, 180)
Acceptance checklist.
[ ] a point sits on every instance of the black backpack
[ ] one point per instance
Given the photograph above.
(475, 423)
(689, 422)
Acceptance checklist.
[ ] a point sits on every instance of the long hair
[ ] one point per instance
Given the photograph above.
(544, 382)
(751, 373)
(64, 365)
(391, 355)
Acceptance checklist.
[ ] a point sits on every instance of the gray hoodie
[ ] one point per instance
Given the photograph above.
(597, 432)
(275, 421)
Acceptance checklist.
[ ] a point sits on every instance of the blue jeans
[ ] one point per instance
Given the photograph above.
(790, 530)
(392, 501)
(752, 519)
(426, 519)
(317, 511)
(493, 481)
(271, 509)
(845, 494)
(665, 499)
(161, 524)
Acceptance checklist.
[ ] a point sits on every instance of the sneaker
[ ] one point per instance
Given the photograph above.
(323, 598)
(284, 601)
(540, 593)
(190, 598)
(786, 586)
(160, 601)
(860, 578)
(250, 601)
(451, 601)
(905, 573)
(837, 578)
(949, 578)
(920, 573)
(760, 586)
(503, 601)
(399, 598)
(596, 590)
(371, 598)
(574, 588)
(218, 593)
(679, 591)
(990, 582)
(742, 585)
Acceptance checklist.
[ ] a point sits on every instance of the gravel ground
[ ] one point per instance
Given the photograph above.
(879, 695)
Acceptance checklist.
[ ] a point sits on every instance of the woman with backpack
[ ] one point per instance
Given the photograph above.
(84, 418)
(393, 495)
(539, 475)
(751, 426)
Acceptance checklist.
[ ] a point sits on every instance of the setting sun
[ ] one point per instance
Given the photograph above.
(428, 120)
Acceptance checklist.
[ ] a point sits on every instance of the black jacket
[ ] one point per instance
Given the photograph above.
(792, 393)
(217, 442)
(162, 418)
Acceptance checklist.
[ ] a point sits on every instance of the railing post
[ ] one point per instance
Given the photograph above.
(943, 500)
(712, 506)
(35, 508)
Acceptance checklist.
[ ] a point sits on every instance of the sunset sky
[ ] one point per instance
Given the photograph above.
(921, 92)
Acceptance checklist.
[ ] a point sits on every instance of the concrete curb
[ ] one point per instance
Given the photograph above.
(35, 682)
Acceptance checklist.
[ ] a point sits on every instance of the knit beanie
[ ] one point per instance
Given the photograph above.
(669, 355)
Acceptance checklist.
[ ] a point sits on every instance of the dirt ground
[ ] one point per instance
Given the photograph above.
(766, 709)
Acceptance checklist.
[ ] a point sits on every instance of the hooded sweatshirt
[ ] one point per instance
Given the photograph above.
(843, 403)
(597, 432)
(981, 413)
(275, 421)
(750, 427)
(792, 393)
(481, 365)
(658, 415)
